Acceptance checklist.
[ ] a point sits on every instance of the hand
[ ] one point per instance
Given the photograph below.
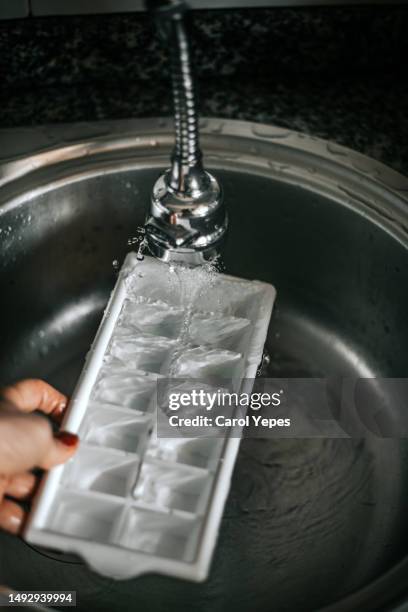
(27, 441)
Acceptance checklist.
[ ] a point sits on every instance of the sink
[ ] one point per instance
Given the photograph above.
(309, 524)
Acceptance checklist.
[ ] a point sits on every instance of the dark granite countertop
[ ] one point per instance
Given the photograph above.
(337, 73)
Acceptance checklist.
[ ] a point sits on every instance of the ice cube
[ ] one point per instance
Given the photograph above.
(147, 353)
(133, 390)
(202, 362)
(220, 331)
(148, 317)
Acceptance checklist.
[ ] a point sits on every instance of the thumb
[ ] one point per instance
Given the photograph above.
(27, 441)
(63, 446)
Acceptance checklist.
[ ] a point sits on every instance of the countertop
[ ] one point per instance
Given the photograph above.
(337, 73)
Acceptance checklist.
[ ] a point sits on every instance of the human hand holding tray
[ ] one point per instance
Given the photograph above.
(130, 502)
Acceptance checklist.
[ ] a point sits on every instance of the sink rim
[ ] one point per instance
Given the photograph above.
(42, 158)
(104, 146)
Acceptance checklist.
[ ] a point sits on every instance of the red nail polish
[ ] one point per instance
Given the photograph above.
(69, 439)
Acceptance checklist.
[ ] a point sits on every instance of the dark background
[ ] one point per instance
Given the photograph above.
(339, 73)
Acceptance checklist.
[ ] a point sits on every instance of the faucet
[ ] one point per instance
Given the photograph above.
(187, 220)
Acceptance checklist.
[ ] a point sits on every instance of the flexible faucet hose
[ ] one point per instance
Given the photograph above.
(185, 114)
(170, 16)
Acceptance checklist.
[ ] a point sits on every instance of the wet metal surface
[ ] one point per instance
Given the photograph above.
(307, 522)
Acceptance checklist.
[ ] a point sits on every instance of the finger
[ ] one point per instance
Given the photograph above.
(3, 485)
(63, 446)
(35, 394)
(27, 441)
(58, 413)
(11, 516)
(21, 486)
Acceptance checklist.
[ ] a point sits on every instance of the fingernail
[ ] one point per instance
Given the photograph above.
(61, 407)
(13, 523)
(67, 438)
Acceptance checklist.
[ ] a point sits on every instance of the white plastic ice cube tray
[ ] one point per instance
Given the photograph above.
(130, 502)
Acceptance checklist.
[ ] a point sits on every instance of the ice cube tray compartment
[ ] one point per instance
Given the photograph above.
(218, 331)
(196, 452)
(97, 469)
(158, 318)
(130, 502)
(84, 516)
(159, 534)
(231, 298)
(130, 389)
(205, 362)
(114, 428)
(144, 352)
(172, 487)
(165, 287)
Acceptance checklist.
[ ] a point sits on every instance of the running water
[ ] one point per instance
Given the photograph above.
(206, 316)
(141, 238)
(203, 317)
(192, 284)
(208, 322)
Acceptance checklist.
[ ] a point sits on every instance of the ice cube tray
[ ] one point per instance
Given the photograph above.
(130, 502)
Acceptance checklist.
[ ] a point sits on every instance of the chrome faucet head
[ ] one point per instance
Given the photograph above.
(187, 224)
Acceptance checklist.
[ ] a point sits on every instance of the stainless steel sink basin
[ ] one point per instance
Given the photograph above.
(309, 523)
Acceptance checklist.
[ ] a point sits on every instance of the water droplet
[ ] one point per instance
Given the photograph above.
(270, 131)
(229, 156)
(278, 167)
(336, 149)
(216, 128)
(133, 240)
(365, 166)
